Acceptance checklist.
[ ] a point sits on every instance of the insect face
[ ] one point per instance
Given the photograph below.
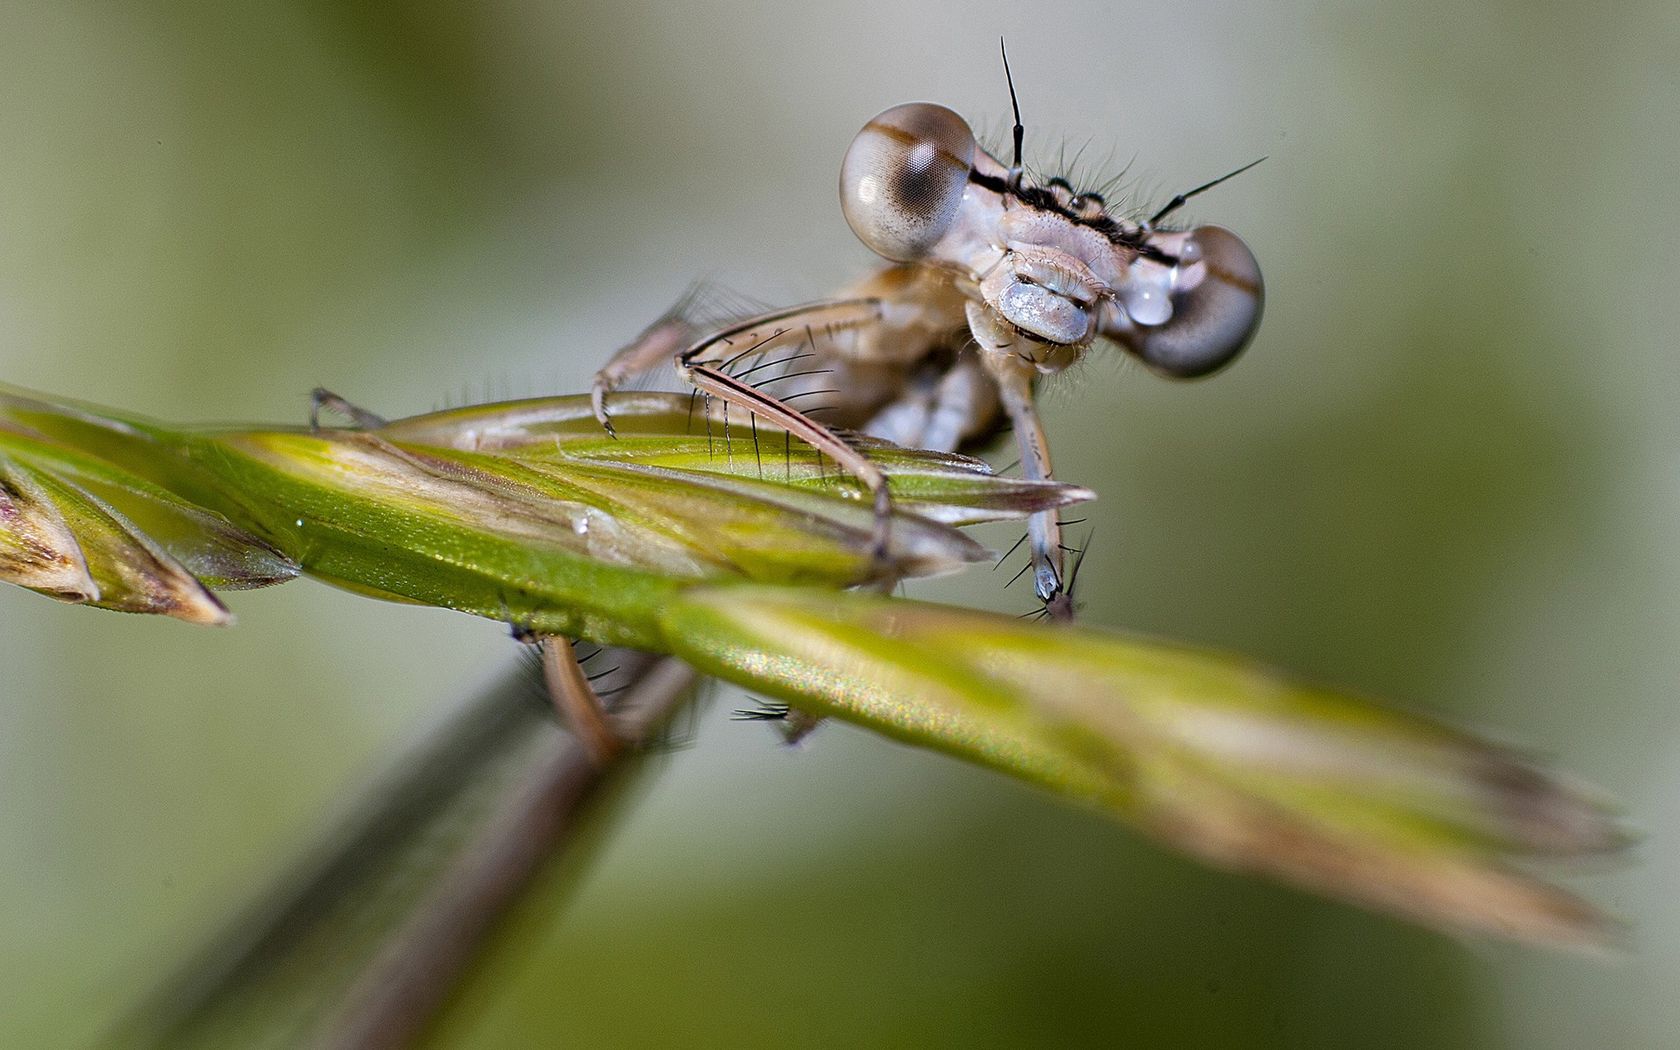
(1053, 277)
(1050, 264)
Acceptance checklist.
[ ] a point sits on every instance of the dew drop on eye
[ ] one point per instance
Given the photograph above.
(1147, 300)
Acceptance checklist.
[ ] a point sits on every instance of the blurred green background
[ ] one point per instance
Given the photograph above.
(1445, 474)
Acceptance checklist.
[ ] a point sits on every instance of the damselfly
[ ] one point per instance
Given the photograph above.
(993, 279)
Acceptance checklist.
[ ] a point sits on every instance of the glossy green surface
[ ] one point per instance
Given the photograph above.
(1444, 474)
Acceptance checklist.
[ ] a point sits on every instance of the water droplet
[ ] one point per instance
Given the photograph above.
(1146, 299)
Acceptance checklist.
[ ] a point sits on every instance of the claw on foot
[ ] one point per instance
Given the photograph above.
(598, 402)
(880, 543)
(1057, 599)
(359, 417)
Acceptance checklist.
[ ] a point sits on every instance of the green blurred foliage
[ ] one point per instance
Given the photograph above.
(1444, 474)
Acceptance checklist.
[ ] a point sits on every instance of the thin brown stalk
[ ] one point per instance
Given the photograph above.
(363, 940)
(401, 991)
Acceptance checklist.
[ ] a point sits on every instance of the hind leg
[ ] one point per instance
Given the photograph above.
(575, 700)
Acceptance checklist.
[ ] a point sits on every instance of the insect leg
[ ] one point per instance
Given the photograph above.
(794, 724)
(1014, 376)
(710, 380)
(705, 365)
(965, 406)
(939, 412)
(659, 342)
(322, 398)
(575, 699)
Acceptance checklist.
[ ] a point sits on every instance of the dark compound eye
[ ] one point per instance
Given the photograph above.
(903, 179)
(1213, 319)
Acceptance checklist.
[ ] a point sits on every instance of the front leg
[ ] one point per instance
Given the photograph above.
(1014, 374)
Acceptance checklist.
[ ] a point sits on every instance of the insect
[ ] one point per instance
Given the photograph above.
(991, 280)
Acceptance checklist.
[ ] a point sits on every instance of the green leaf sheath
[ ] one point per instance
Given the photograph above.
(734, 548)
(1223, 759)
(528, 513)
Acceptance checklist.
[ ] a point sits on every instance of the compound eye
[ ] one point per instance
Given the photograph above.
(903, 179)
(1215, 315)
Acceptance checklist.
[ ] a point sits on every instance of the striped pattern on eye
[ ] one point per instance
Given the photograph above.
(903, 179)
